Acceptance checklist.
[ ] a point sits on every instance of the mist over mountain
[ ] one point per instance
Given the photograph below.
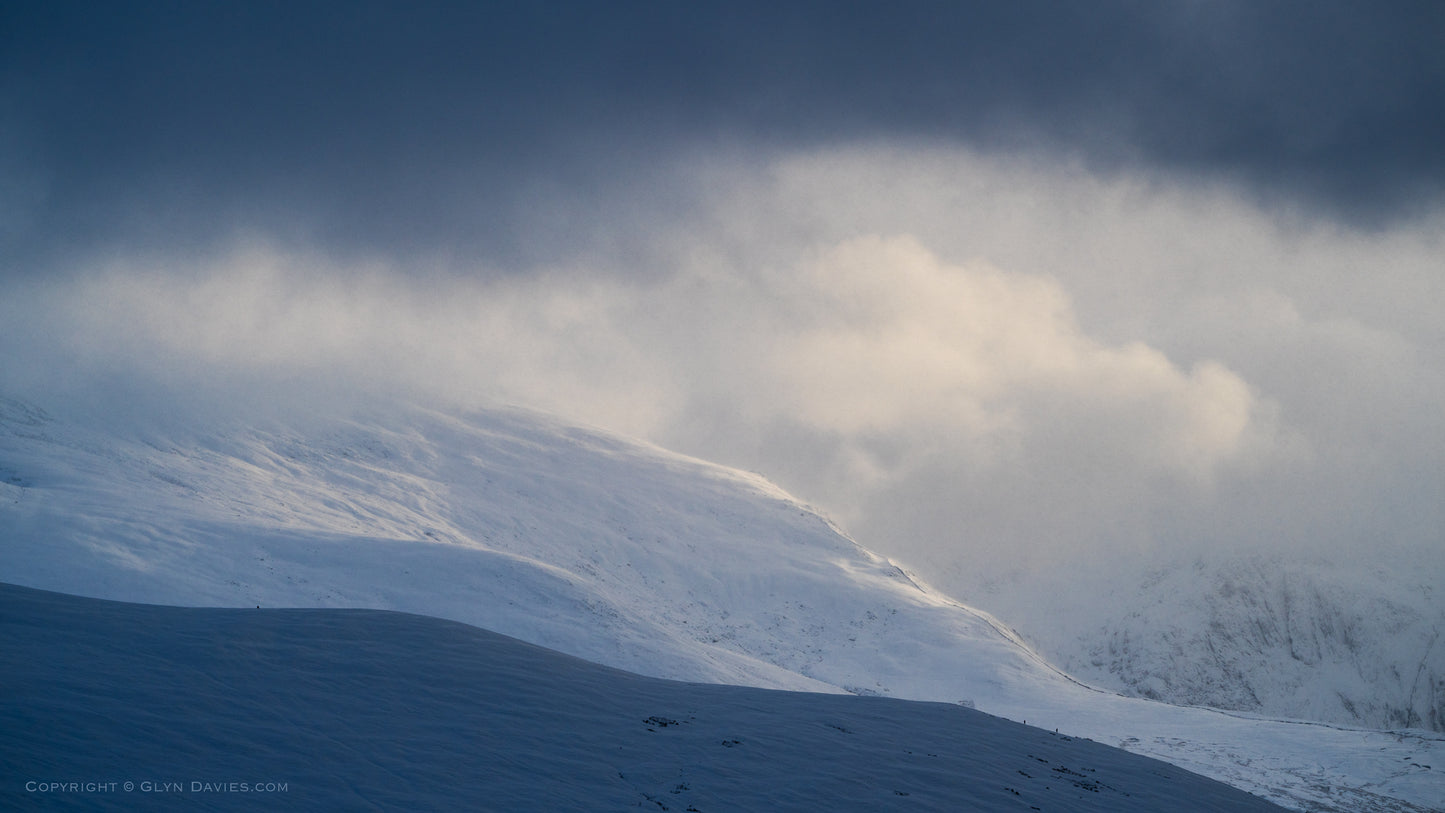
(592, 544)
(1350, 642)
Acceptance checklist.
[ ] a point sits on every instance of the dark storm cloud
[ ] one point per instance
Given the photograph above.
(505, 131)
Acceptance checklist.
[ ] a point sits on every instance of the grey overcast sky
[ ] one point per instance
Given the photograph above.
(992, 283)
(404, 127)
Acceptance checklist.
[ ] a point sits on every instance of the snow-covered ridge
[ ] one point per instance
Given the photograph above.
(597, 546)
(593, 545)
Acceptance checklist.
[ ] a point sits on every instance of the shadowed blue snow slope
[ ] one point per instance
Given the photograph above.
(124, 706)
(600, 547)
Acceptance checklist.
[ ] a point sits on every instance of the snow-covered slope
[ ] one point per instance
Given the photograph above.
(602, 548)
(121, 706)
(599, 547)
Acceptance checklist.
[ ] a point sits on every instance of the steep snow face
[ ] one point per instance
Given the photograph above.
(1288, 638)
(600, 547)
(1303, 638)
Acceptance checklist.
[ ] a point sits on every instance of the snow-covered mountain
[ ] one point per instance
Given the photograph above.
(120, 706)
(600, 547)
(1305, 637)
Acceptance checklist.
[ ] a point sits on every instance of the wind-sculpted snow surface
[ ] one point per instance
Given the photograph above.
(120, 706)
(599, 547)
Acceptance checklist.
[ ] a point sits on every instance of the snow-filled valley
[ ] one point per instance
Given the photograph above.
(601, 548)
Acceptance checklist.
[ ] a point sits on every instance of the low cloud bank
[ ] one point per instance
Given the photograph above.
(976, 364)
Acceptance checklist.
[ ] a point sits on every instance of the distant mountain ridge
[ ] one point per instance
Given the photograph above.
(1354, 641)
(1270, 628)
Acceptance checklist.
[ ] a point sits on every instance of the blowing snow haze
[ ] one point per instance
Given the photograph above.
(1012, 291)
